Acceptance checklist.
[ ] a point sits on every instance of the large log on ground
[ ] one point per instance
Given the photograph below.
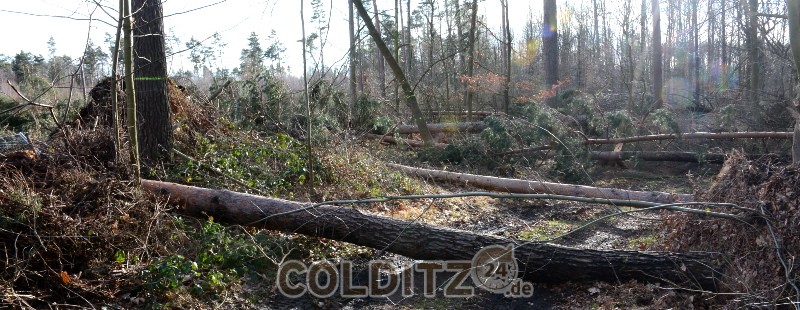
(409, 142)
(539, 262)
(536, 187)
(695, 135)
(659, 156)
(475, 114)
(472, 127)
(525, 150)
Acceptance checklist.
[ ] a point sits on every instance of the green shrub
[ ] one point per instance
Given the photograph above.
(665, 120)
(276, 163)
(14, 121)
(223, 257)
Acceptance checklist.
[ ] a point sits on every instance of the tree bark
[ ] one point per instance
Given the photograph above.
(695, 135)
(410, 97)
(537, 261)
(473, 127)
(536, 187)
(155, 127)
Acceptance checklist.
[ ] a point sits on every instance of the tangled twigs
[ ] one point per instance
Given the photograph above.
(30, 102)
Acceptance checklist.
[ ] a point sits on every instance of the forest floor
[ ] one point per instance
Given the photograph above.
(538, 220)
(77, 232)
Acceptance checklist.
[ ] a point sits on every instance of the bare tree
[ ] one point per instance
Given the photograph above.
(408, 92)
(380, 58)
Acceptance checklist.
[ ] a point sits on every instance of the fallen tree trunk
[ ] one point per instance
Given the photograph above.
(525, 150)
(695, 135)
(393, 140)
(539, 262)
(480, 114)
(533, 187)
(659, 156)
(472, 127)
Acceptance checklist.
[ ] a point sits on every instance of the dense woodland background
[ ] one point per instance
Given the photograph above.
(731, 58)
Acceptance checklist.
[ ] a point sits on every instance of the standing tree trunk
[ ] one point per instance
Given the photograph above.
(550, 47)
(628, 78)
(155, 128)
(658, 62)
(752, 52)
(641, 80)
(116, 88)
(596, 33)
(352, 57)
(408, 92)
(409, 50)
(130, 93)
(380, 59)
(398, 28)
(724, 48)
(507, 53)
(696, 55)
(309, 152)
(471, 62)
(793, 7)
